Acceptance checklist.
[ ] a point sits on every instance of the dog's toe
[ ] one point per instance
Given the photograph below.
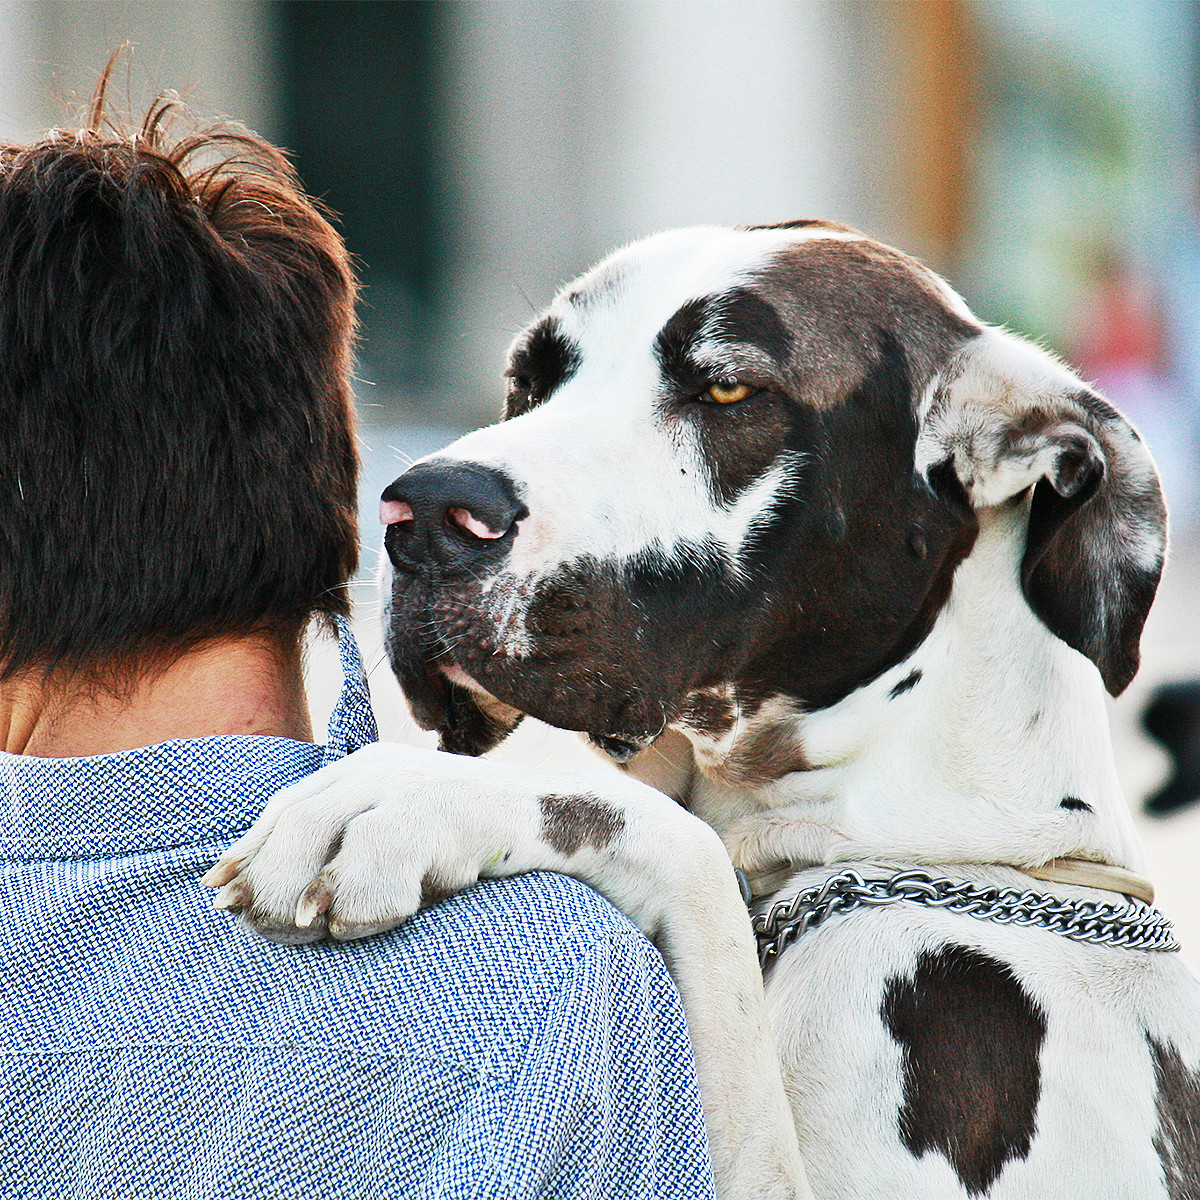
(314, 902)
(234, 896)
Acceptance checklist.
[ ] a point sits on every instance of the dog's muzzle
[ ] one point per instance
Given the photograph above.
(604, 647)
(453, 516)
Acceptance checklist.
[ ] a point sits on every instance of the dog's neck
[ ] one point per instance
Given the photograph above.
(990, 743)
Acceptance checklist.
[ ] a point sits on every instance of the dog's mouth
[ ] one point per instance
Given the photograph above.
(473, 719)
(501, 719)
(442, 696)
(584, 659)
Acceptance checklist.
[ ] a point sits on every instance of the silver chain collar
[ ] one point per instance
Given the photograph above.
(1132, 925)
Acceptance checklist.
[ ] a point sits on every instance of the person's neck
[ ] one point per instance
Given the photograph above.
(245, 685)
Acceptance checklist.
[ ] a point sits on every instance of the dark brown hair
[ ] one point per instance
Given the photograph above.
(177, 456)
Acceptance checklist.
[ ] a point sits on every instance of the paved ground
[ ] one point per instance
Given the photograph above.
(1171, 650)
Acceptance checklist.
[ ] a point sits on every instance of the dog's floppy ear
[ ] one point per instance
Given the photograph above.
(1005, 418)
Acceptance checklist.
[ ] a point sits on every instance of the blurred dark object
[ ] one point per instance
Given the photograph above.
(362, 99)
(1173, 718)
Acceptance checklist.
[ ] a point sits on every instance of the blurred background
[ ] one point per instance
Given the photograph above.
(1043, 154)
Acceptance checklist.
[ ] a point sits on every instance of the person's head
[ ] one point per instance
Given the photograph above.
(177, 458)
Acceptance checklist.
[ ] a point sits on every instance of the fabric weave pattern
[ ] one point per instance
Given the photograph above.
(521, 1039)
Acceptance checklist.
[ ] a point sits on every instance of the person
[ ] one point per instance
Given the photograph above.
(1172, 718)
(177, 479)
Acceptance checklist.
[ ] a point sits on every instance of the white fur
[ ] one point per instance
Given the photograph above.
(1096, 1118)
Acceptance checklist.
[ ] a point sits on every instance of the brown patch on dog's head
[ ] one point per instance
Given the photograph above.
(837, 297)
(807, 223)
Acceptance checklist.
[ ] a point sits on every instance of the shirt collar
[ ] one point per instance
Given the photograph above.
(181, 792)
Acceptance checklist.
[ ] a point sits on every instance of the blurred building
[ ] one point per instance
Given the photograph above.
(1084, 229)
(482, 152)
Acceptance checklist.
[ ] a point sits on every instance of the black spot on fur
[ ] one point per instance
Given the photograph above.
(1074, 804)
(738, 317)
(570, 822)
(971, 1037)
(1177, 1139)
(906, 684)
(545, 360)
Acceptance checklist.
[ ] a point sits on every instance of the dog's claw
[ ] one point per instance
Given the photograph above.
(314, 903)
(233, 897)
(350, 931)
(223, 871)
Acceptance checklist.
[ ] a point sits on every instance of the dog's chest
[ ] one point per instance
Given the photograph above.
(927, 1059)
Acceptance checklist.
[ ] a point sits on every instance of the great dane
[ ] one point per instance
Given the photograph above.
(839, 576)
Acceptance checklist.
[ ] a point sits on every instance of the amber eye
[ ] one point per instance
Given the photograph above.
(728, 391)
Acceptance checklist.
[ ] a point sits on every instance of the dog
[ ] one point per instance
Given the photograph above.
(839, 576)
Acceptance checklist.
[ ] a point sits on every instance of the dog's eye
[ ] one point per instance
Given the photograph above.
(728, 391)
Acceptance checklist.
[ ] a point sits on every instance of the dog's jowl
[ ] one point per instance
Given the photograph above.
(845, 574)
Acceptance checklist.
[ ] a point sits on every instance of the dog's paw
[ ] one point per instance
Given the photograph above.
(352, 850)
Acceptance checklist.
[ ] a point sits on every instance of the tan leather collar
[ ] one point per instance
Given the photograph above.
(1096, 875)
(1078, 871)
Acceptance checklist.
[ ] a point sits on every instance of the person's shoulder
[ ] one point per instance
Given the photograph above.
(484, 966)
(539, 908)
(526, 930)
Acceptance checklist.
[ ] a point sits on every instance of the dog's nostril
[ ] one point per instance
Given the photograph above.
(393, 512)
(466, 520)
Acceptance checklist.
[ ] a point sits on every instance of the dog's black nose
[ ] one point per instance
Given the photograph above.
(449, 513)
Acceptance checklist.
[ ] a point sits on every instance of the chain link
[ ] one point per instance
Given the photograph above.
(1132, 925)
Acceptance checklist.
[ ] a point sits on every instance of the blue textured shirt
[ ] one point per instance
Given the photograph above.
(521, 1039)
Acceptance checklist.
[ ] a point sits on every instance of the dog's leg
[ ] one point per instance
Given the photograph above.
(352, 849)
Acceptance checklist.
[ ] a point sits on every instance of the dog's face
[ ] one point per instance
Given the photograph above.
(739, 465)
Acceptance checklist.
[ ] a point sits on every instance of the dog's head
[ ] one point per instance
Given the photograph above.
(744, 464)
